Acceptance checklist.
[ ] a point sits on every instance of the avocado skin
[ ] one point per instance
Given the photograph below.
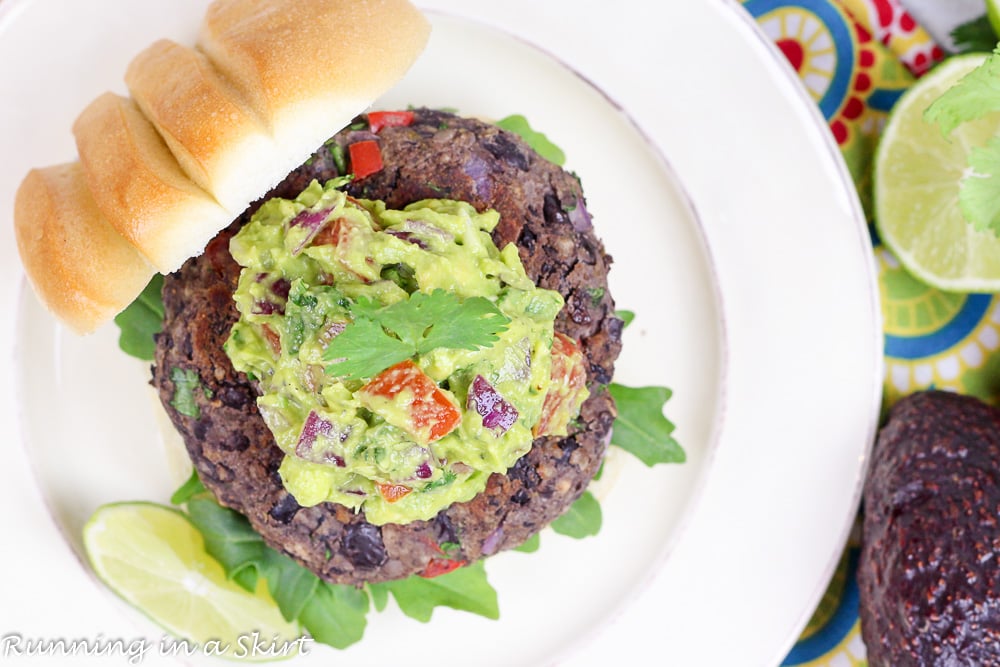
(928, 574)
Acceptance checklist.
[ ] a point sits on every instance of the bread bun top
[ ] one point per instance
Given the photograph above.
(83, 269)
(206, 131)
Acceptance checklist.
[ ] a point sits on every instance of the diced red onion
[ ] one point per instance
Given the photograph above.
(423, 471)
(313, 221)
(492, 542)
(267, 308)
(315, 427)
(280, 288)
(580, 217)
(498, 415)
(408, 236)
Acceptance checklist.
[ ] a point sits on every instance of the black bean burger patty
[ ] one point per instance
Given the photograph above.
(541, 210)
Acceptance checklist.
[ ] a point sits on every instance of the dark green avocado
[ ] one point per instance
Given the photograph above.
(929, 572)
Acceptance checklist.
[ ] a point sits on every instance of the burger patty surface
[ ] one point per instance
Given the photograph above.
(542, 211)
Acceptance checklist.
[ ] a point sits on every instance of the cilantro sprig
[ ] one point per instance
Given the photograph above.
(976, 95)
(380, 336)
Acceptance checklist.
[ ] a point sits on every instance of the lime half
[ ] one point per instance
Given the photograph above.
(918, 172)
(154, 558)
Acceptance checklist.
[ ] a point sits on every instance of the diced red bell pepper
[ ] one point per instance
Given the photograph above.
(366, 158)
(568, 388)
(379, 119)
(428, 414)
(393, 492)
(438, 566)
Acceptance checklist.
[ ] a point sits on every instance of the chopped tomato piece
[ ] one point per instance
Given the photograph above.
(567, 390)
(272, 338)
(366, 158)
(407, 398)
(393, 492)
(438, 566)
(333, 233)
(379, 119)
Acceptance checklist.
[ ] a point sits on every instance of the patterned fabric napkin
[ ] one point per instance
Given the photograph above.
(856, 57)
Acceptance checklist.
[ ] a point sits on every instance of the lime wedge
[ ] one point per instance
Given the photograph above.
(917, 177)
(155, 559)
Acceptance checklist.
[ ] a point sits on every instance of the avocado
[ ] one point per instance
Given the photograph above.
(928, 574)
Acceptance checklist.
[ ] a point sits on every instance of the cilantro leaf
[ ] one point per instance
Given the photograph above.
(975, 36)
(380, 336)
(974, 96)
(626, 316)
(186, 383)
(519, 125)
(465, 589)
(582, 519)
(141, 321)
(641, 428)
(363, 349)
(461, 325)
(979, 194)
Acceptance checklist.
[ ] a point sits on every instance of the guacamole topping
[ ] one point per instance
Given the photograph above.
(401, 357)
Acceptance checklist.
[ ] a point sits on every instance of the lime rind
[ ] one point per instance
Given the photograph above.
(154, 558)
(918, 173)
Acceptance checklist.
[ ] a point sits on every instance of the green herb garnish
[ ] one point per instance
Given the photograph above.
(974, 96)
(975, 36)
(186, 383)
(381, 336)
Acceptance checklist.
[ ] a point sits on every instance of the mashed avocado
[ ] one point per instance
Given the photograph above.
(416, 414)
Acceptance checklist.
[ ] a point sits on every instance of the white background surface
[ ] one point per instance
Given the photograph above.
(763, 540)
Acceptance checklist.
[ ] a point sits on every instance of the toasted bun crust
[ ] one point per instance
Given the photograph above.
(208, 130)
(81, 268)
(139, 186)
(217, 139)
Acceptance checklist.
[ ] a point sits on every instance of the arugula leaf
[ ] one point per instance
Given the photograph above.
(975, 36)
(191, 488)
(625, 316)
(530, 545)
(186, 383)
(380, 336)
(641, 428)
(379, 595)
(979, 194)
(229, 539)
(336, 615)
(582, 519)
(141, 320)
(465, 589)
(519, 125)
(974, 96)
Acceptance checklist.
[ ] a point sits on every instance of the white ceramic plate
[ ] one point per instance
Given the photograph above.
(780, 373)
